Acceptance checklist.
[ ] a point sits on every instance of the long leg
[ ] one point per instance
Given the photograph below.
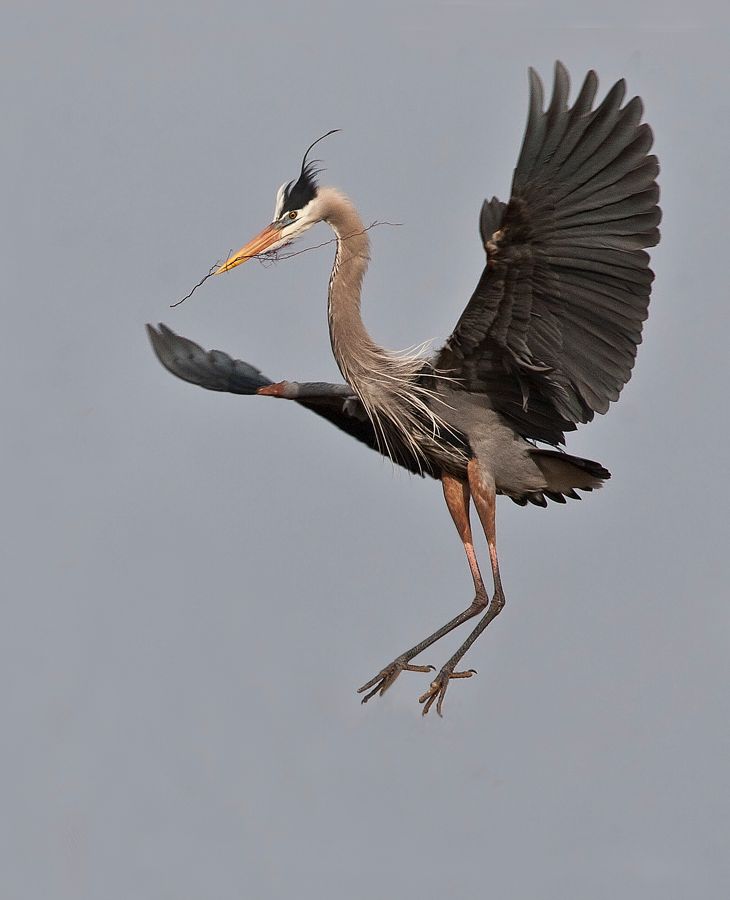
(485, 496)
(456, 494)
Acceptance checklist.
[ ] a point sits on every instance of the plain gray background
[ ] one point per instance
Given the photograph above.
(195, 584)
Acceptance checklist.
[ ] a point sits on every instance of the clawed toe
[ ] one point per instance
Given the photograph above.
(435, 694)
(385, 678)
(437, 689)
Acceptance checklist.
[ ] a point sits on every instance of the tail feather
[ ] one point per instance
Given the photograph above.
(564, 473)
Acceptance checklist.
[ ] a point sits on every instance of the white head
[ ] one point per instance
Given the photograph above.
(296, 210)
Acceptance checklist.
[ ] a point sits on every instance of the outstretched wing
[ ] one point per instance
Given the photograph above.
(551, 331)
(217, 371)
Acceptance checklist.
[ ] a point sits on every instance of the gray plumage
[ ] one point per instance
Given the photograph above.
(547, 339)
(214, 370)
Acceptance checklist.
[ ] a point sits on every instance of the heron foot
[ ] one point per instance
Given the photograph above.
(437, 690)
(385, 678)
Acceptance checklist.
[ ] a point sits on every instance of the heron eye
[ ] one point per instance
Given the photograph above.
(293, 214)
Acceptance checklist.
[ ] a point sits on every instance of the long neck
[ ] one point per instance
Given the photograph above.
(386, 383)
(352, 346)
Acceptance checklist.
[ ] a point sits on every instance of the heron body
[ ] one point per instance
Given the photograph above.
(547, 339)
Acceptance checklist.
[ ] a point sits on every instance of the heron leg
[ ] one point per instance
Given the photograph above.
(484, 494)
(456, 494)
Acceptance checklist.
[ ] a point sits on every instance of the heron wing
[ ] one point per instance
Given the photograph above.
(551, 331)
(217, 371)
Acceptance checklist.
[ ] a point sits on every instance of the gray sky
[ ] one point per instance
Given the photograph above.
(197, 583)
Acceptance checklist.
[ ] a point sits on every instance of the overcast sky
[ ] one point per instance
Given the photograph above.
(195, 583)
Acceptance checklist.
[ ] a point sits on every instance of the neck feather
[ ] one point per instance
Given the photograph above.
(351, 344)
(387, 383)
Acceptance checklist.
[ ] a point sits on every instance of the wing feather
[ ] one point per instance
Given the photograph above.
(551, 330)
(213, 370)
(217, 371)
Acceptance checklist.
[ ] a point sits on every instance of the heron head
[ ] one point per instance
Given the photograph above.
(295, 212)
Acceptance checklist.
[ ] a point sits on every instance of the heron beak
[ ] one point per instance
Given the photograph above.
(270, 235)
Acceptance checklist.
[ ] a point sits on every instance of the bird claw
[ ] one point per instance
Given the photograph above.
(387, 676)
(437, 690)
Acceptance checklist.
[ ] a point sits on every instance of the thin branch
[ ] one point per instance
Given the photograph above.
(211, 270)
(276, 255)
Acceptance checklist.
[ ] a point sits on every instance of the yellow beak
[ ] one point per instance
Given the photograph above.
(259, 244)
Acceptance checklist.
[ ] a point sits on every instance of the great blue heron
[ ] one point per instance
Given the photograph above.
(547, 339)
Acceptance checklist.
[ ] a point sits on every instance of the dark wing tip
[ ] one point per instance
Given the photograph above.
(213, 370)
(160, 341)
(561, 84)
(536, 90)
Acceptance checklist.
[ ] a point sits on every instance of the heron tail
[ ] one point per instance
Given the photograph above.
(564, 474)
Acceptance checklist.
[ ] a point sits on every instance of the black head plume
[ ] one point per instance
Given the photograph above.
(298, 193)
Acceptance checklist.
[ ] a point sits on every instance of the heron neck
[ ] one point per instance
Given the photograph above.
(353, 348)
(387, 383)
